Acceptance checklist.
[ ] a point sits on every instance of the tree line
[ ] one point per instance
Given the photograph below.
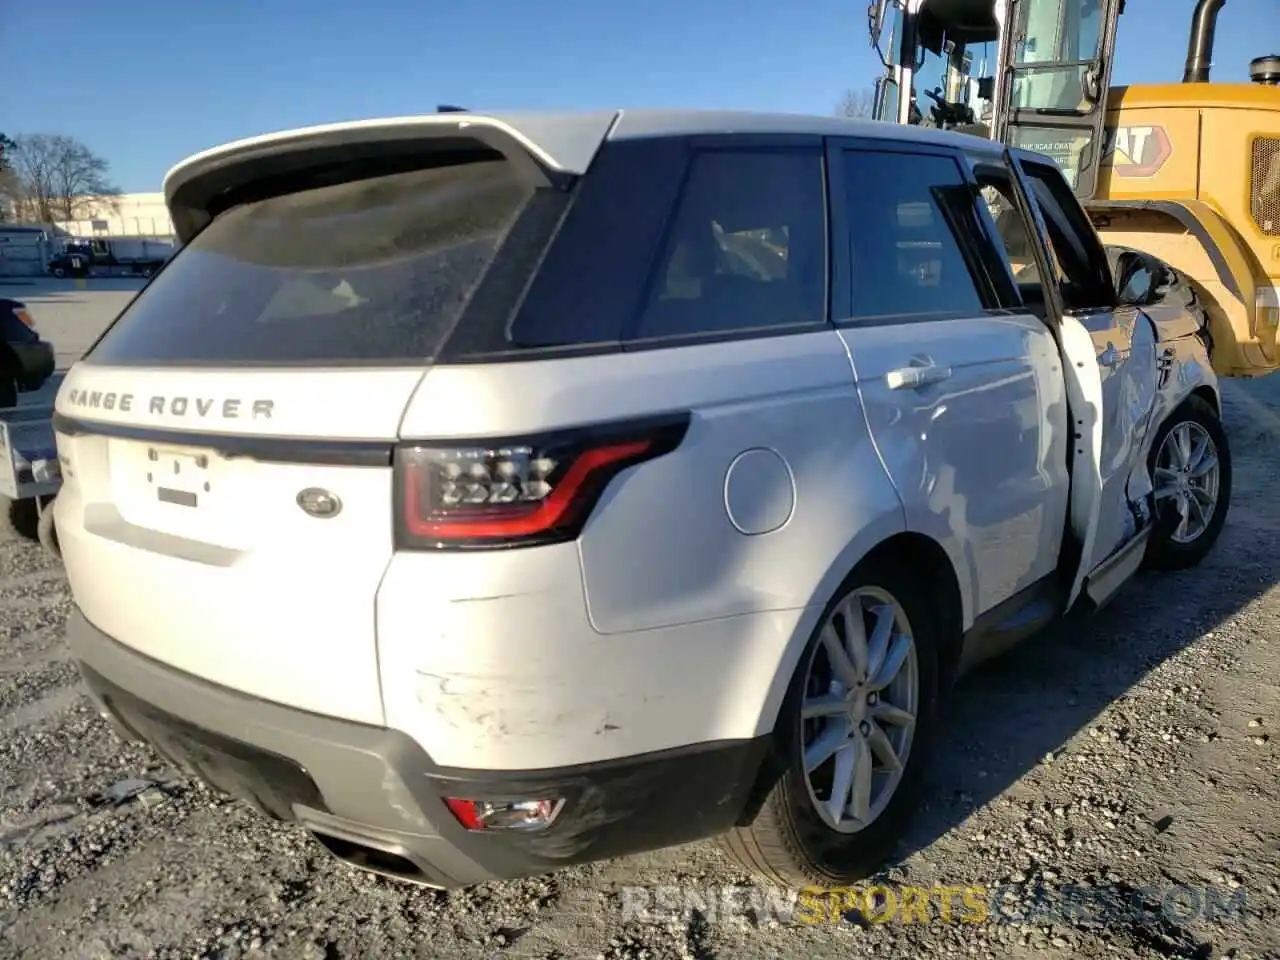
(51, 178)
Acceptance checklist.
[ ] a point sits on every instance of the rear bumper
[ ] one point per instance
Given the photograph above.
(366, 790)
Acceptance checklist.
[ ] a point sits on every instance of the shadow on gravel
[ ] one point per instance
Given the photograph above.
(1003, 719)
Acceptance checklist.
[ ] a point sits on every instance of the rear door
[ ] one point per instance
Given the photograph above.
(1123, 345)
(1052, 96)
(227, 506)
(960, 382)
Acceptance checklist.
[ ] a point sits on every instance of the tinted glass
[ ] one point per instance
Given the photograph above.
(907, 214)
(1058, 31)
(1081, 262)
(371, 270)
(1138, 287)
(746, 248)
(591, 280)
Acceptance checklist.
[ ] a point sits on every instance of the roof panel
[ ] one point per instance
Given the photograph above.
(653, 123)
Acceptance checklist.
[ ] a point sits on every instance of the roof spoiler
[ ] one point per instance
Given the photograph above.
(549, 147)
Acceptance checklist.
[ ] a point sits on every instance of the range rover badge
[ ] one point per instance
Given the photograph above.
(319, 503)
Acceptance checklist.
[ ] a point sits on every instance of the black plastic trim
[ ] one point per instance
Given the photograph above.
(303, 450)
(1013, 620)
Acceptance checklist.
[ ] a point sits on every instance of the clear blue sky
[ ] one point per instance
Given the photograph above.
(144, 83)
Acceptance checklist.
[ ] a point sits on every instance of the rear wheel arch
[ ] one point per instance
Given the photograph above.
(1210, 396)
(936, 575)
(778, 836)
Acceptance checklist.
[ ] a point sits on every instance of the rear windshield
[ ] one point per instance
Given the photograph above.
(373, 270)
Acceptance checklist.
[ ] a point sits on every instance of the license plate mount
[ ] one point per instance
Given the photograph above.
(180, 477)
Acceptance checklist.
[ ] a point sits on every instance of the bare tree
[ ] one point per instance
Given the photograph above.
(57, 178)
(857, 103)
(8, 179)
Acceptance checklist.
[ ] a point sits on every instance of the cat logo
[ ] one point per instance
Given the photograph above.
(1137, 151)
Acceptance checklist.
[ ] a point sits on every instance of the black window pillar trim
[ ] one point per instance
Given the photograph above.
(839, 240)
(1004, 286)
(1054, 303)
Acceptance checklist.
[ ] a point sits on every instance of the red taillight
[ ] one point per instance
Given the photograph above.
(523, 491)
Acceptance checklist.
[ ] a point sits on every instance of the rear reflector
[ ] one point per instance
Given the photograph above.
(504, 814)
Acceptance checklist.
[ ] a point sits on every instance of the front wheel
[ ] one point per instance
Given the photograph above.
(851, 739)
(1191, 473)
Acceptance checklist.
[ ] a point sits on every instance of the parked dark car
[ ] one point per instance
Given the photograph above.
(26, 361)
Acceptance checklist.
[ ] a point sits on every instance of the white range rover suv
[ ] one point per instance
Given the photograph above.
(488, 494)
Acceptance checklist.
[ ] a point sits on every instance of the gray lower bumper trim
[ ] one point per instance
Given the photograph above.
(372, 778)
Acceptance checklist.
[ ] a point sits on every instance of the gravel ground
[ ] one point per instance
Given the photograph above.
(1135, 753)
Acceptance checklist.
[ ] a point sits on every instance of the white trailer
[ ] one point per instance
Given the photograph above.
(30, 472)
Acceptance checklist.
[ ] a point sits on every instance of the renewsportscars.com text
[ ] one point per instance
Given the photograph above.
(973, 904)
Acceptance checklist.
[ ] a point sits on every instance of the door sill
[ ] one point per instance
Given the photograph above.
(1108, 577)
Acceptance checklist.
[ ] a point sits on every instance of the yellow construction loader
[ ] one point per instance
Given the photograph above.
(1189, 172)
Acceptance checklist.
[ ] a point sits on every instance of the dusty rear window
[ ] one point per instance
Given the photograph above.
(374, 270)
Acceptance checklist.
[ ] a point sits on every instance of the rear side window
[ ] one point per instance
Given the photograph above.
(374, 270)
(745, 249)
(910, 217)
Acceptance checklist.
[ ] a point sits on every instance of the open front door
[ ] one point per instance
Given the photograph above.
(1057, 56)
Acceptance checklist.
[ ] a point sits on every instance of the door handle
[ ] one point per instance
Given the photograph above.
(915, 377)
(1110, 356)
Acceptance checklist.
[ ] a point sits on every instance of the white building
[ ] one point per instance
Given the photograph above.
(126, 215)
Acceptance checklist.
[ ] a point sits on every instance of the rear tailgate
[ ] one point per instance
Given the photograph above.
(192, 547)
(227, 502)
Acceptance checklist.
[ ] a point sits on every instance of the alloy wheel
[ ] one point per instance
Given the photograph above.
(858, 717)
(1187, 479)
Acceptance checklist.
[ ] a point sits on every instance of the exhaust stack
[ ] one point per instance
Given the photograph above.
(1200, 48)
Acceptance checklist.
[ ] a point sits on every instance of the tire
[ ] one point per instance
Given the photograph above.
(47, 532)
(19, 518)
(1171, 547)
(789, 842)
(59, 272)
